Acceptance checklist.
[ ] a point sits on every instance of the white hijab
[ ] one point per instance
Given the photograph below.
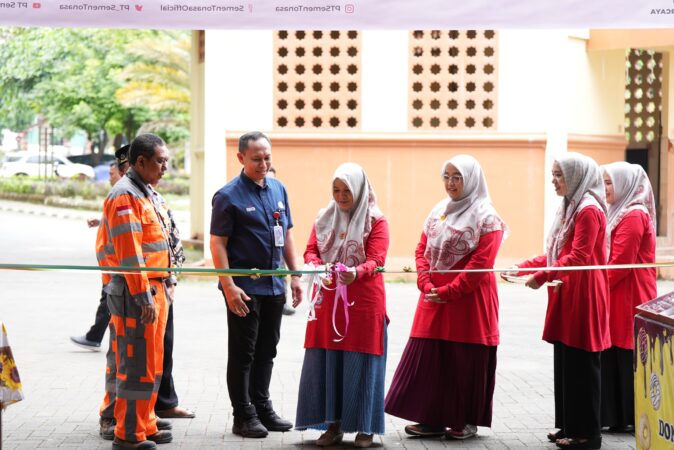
(454, 227)
(341, 235)
(585, 187)
(631, 190)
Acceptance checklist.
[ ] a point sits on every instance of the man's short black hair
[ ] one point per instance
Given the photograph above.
(144, 144)
(250, 136)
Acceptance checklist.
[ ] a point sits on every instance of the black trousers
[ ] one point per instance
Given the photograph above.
(617, 387)
(167, 397)
(577, 391)
(97, 330)
(252, 349)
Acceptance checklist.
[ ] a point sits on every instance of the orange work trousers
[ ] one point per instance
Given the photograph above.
(134, 363)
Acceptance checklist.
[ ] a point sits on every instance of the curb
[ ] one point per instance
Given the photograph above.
(47, 212)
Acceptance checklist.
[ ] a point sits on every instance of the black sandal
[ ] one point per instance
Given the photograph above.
(420, 429)
(578, 444)
(552, 437)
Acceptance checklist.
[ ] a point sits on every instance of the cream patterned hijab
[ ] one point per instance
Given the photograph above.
(631, 190)
(454, 227)
(341, 235)
(585, 187)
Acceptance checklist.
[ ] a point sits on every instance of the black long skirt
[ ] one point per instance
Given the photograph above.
(577, 391)
(617, 388)
(444, 383)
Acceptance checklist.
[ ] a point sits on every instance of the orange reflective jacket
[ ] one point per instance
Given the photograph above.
(133, 233)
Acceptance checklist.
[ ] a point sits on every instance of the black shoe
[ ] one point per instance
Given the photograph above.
(249, 427)
(164, 424)
(82, 341)
(420, 429)
(161, 437)
(120, 444)
(274, 422)
(288, 310)
(620, 429)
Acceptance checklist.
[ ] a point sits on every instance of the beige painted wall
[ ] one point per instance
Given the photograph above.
(635, 38)
(405, 172)
(603, 149)
(596, 87)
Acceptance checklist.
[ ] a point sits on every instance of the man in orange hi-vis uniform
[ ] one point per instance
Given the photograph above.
(137, 229)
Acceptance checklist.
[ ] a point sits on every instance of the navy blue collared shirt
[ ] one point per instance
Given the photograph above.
(244, 212)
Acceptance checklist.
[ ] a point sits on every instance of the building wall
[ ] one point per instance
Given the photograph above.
(384, 82)
(237, 80)
(405, 172)
(595, 86)
(554, 95)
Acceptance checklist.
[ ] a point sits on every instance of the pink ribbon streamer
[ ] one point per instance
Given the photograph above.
(340, 294)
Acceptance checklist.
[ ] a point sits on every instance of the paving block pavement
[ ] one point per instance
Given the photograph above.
(63, 384)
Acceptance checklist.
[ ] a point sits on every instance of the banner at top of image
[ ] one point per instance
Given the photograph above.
(338, 14)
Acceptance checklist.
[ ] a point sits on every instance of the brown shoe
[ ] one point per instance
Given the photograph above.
(175, 413)
(120, 444)
(332, 436)
(363, 440)
(161, 437)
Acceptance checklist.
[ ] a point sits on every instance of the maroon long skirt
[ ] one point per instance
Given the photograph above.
(444, 383)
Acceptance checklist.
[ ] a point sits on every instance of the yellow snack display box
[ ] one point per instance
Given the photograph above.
(654, 374)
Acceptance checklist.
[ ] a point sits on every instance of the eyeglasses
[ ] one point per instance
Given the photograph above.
(452, 178)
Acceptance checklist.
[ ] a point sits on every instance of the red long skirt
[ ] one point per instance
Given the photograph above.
(444, 383)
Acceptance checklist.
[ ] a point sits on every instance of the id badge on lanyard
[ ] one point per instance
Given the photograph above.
(279, 238)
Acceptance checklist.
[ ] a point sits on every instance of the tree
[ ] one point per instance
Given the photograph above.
(159, 80)
(23, 65)
(68, 76)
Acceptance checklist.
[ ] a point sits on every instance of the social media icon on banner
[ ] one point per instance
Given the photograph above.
(139, 8)
(37, 5)
(349, 8)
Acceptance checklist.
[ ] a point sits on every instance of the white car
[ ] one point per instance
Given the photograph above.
(34, 165)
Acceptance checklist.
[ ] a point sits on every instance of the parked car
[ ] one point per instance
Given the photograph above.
(33, 164)
(93, 160)
(102, 169)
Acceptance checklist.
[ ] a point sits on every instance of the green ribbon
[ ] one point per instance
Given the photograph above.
(197, 270)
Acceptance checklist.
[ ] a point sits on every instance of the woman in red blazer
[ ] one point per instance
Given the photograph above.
(445, 378)
(342, 382)
(576, 321)
(631, 226)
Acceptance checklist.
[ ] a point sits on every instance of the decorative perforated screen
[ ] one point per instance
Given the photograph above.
(643, 95)
(453, 76)
(317, 80)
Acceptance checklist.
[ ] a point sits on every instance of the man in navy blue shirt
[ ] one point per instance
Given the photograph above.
(251, 229)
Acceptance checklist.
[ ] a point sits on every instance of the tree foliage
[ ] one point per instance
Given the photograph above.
(70, 77)
(159, 79)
